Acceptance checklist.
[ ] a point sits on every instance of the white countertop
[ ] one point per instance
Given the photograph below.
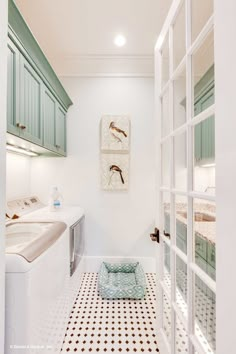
(67, 214)
(204, 229)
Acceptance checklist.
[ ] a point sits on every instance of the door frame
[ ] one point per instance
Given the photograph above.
(225, 74)
(190, 194)
(3, 105)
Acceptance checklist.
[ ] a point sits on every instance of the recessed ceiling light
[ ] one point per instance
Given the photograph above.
(120, 40)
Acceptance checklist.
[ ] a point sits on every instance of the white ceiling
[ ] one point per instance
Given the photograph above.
(77, 35)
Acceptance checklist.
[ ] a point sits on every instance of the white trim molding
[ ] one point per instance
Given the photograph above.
(3, 101)
(105, 65)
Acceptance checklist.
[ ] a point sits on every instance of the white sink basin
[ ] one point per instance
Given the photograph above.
(21, 233)
(18, 235)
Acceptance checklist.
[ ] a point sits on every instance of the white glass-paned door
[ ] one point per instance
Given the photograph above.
(185, 84)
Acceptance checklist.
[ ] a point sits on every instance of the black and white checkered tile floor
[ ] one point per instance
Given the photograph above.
(98, 325)
(205, 314)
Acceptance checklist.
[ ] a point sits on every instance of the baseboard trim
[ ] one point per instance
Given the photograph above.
(92, 263)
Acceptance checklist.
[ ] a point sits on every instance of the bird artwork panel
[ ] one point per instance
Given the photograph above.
(115, 171)
(115, 133)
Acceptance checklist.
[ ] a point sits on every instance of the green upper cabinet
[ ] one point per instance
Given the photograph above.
(204, 134)
(54, 117)
(49, 119)
(30, 103)
(61, 130)
(36, 102)
(12, 88)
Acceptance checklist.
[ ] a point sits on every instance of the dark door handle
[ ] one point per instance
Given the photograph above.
(166, 234)
(156, 235)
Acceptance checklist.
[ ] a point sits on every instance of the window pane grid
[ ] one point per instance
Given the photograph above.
(194, 339)
(194, 267)
(193, 194)
(191, 121)
(198, 348)
(196, 270)
(204, 315)
(178, 260)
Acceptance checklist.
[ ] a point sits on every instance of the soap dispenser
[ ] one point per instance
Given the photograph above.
(55, 200)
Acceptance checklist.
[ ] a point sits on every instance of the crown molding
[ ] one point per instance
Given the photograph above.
(93, 65)
(108, 56)
(109, 75)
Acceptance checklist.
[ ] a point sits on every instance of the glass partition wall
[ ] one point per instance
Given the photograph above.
(185, 88)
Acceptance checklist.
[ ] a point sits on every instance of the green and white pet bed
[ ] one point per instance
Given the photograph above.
(121, 280)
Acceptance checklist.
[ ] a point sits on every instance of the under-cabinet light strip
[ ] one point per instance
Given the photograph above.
(20, 150)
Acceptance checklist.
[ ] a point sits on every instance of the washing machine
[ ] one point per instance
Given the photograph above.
(43, 252)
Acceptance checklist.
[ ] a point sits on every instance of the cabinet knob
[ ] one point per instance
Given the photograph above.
(58, 146)
(21, 126)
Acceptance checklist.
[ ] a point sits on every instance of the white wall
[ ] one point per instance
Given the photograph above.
(204, 177)
(225, 76)
(3, 76)
(117, 223)
(18, 176)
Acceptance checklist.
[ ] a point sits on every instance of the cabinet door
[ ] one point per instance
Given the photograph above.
(181, 230)
(30, 103)
(211, 255)
(204, 133)
(60, 131)
(201, 262)
(12, 89)
(197, 136)
(167, 257)
(211, 272)
(200, 247)
(208, 128)
(49, 119)
(167, 224)
(181, 244)
(181, 236)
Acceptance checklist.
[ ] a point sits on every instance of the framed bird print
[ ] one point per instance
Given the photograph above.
(115, 133)
(115, 171)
